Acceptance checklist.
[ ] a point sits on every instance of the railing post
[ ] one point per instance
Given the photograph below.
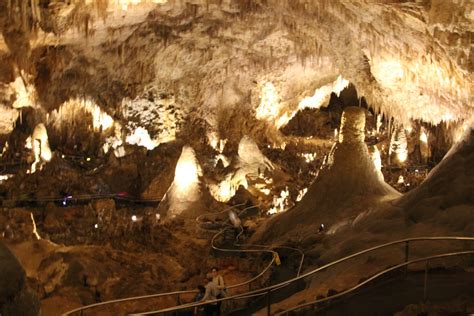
(425, 284)
(268, 303)
(407, 249)
(407, 252)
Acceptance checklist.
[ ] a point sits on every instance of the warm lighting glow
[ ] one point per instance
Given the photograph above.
(39, 144)
(402, 156)
(378, 124)
(251, 163)
(186, 172)
(308, 157)
(72, 109)
(416, 84)
(140, 137)
(399, 145)
(375, 155)
(213, 140)
(390, 70)
(4, 150)
(35, 232)
(269, 107)
(460, 131)
(25, 94)
(226, 189)
(216, 143)
(301, 194)
(400, 180)
(115, 142)
(251, 158)
(125, 4)
(423, 136)
(185, 189)
(134, 218)
(280, 203)
(222, 192)
(321, 95)
(221, 157)
(151, 120)
(4, 177)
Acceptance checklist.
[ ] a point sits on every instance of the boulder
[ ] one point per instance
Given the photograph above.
(15, 298)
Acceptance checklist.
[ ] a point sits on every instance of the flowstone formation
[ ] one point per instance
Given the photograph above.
(347, 177)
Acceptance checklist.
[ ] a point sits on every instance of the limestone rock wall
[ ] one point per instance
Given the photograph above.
(15, 298)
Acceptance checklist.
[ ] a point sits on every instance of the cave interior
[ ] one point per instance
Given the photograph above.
(143, 142)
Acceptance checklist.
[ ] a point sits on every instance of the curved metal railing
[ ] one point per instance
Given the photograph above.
(178, 293)
(214, 214)
(267, 290)
(300, 266)
(81, 197)
(375, 276)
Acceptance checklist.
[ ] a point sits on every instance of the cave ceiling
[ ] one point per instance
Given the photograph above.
(409, 59)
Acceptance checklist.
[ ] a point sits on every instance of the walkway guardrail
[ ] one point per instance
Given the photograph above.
(179, 294)
(268, 290)
(426, 260)
(74, 199)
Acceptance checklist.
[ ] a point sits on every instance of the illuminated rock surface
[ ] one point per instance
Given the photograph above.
(108, 107)
(348, 177)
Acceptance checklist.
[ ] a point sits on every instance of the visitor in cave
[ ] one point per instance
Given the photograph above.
(211, 294)
(198, 310)
(321, 228)
(219, 281)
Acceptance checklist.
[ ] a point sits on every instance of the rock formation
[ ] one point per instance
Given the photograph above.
(15, 298)
(347, 177)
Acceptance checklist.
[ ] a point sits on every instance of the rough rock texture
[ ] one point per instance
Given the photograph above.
(348, 175)
(157, 259)
(443, 205)
(215, 56)
(447, 194)
(187, 194)
(15, 298)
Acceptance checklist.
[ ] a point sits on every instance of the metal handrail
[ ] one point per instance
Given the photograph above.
(83, 197)
(198, 219)
(80, 309)
(269, 289)
(274, 247)
(375, 276)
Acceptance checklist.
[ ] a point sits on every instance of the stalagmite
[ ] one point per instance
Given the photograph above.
(39, 144)
(348, 175)
(185, 195)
